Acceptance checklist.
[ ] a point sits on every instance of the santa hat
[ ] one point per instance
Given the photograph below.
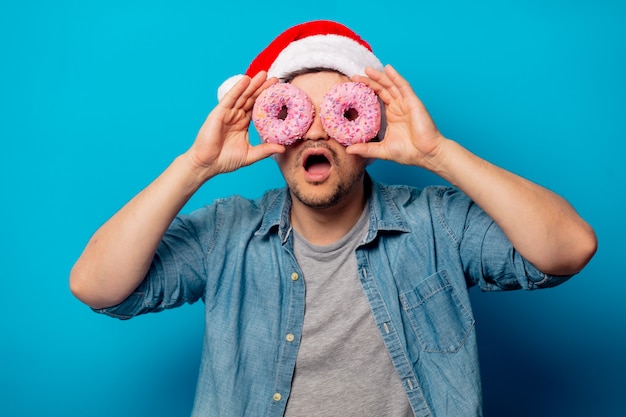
(320, 43)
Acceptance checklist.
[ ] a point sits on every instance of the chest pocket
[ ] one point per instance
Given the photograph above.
(439, 319)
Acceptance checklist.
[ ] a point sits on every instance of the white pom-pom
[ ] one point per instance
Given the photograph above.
(227, 85)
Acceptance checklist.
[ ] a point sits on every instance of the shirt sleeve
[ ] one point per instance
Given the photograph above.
(488, 257)
(177, 274)
(503, 268)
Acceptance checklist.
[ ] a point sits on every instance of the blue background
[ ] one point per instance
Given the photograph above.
(97, 97)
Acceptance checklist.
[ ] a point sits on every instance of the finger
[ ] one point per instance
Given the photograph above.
(370, 150)
(255, 95)
(380, 91)
(231, 97)
(383, 79)
(246, 100)
(264, 150)
(402, 85)
(248, 105)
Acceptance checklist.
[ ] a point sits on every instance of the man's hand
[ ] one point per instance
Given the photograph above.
(411, 138)
(222, 144)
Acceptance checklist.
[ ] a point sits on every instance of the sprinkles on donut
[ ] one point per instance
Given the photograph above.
(350, 113)
(282, 114)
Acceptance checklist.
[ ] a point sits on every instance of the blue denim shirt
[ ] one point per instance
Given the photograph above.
(423, 250)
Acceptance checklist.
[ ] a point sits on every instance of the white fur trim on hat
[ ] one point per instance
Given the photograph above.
(327, 51)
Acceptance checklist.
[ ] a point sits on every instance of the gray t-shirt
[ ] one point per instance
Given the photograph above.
(343, 368)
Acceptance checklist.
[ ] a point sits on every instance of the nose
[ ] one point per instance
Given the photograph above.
(316, 130)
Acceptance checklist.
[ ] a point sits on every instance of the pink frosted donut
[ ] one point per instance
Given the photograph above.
(350, 113)
(282, 114)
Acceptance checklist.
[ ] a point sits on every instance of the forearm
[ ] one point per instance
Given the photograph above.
(119, 254)
(541, 225)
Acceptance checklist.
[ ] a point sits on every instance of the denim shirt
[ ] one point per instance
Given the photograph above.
(423, 250)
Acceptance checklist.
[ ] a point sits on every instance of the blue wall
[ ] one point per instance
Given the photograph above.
(97, 97)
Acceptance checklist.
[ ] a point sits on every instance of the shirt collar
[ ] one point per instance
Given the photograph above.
(384, 214)
(278, 206)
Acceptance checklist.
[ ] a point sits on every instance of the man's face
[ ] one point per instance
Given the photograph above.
(318, 171)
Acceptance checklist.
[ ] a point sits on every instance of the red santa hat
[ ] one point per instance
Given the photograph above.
(320, 43)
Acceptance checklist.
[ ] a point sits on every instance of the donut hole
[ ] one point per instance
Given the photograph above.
(282, 114)
(351, 114)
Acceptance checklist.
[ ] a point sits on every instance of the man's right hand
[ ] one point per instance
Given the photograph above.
(223, 144)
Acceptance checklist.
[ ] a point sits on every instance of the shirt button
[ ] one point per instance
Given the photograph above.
(290, 337)
(277, 397)
(294, 276)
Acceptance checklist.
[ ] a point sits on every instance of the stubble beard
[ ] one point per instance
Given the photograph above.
(340, 192)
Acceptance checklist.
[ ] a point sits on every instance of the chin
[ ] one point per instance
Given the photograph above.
(323, 195)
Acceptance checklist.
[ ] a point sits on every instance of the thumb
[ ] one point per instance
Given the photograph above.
(264, 150)
(370, 150)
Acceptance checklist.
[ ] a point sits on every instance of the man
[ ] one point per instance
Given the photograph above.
(337, 295)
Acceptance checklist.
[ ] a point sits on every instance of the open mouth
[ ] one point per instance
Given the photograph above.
(317, 163)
